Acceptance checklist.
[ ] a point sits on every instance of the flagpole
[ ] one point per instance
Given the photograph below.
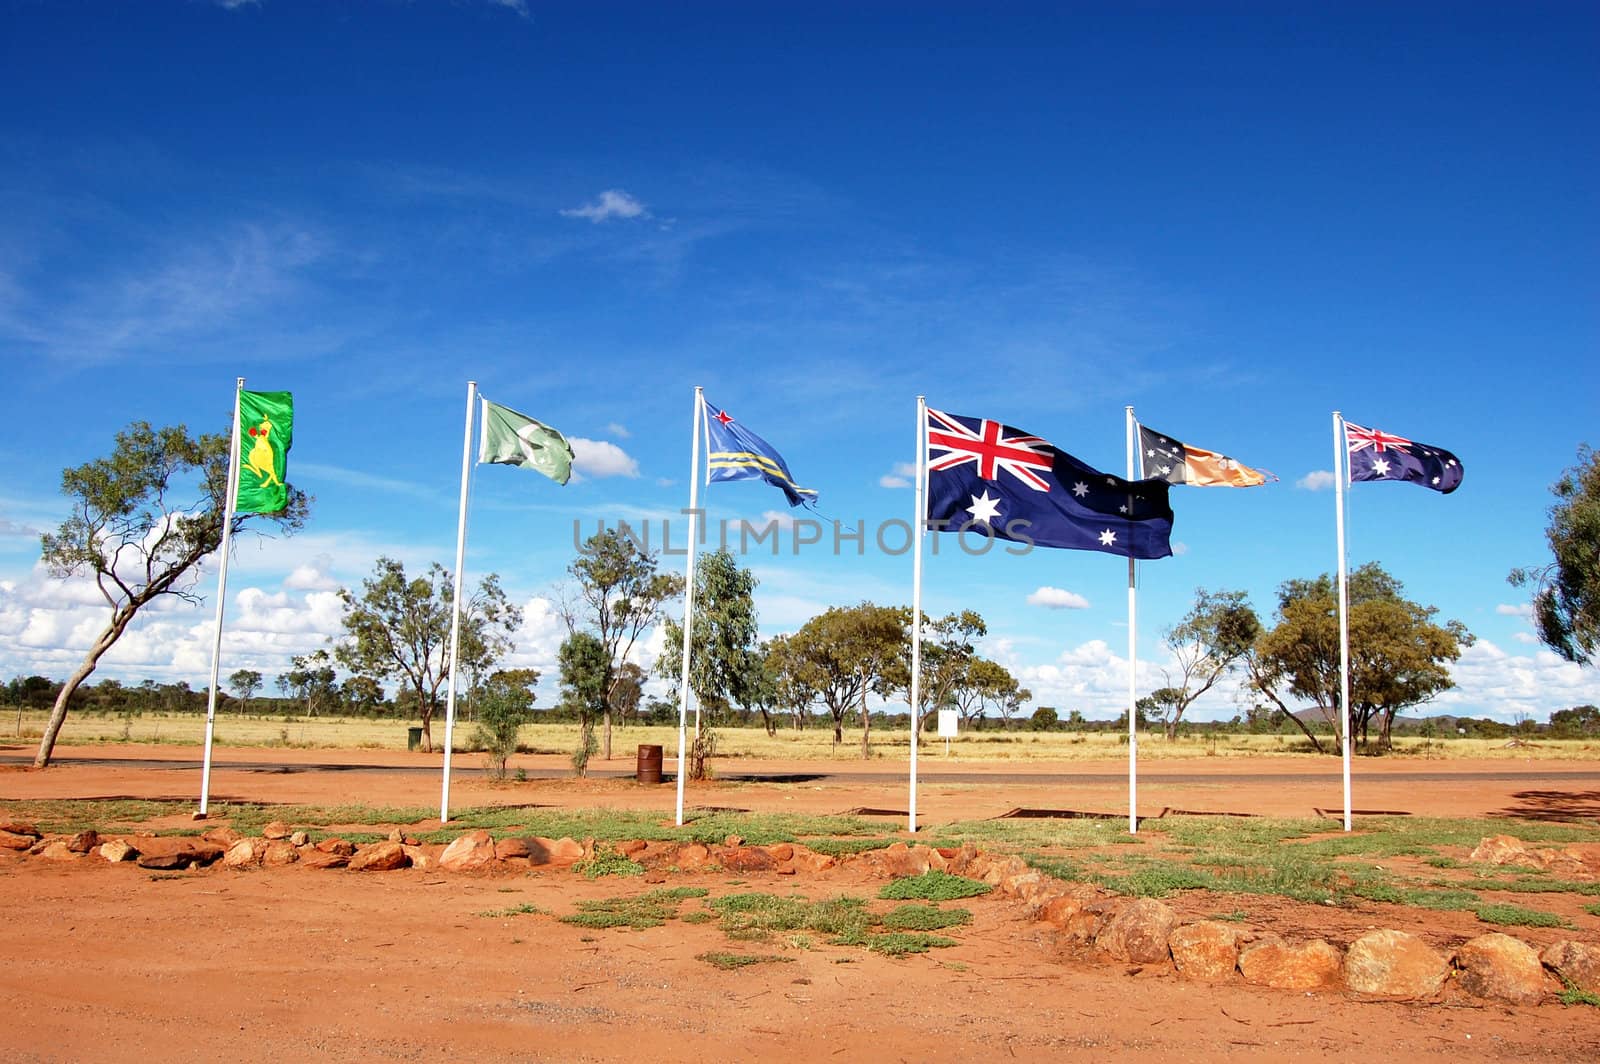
(222, 598)
(455, 602)
(918, 526)
(688, 593)
(1341, 476)
(1133, 668)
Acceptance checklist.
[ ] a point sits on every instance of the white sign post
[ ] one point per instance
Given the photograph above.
(947, 728)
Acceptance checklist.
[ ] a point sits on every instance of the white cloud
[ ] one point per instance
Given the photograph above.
(612, 203)
(901, 476)
(890, 481)
(517, 7)
(1319, 480)
(312, 576)
(12, 528)
(1055, 598)
(1524, 609)
(1180, 549)
(618, 430)
(601, 458)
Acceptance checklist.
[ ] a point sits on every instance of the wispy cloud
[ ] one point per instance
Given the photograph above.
(1056, 598)
(619, 431)
(612, 203)
(900, 477)
(1506, 609)
(1319, 480)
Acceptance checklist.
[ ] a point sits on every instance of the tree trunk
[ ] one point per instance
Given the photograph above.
(767, 722)
(427, 721)
(838, 727)
(605, 751)
(866, 727)
(1172, 729)
(58, 713)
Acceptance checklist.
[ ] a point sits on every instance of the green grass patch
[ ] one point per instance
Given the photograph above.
(845, 847)
(1592, 910)
(900, 943)
(765, 914)
(525, 909)
(731, 961)
(1572, 994)
(608, 862)
(1516, 916)
(933, 885)
(646, 910)
(1057, 867)
(924, 918)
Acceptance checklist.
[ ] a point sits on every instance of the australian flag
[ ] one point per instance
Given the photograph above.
(733, 452)
(997, 480)
(1376, 455)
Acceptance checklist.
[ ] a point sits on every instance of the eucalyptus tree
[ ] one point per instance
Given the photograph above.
(726, 668)
(1566, 592)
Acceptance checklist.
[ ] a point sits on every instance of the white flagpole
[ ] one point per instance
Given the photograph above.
(918, 526)
(1341, 476)
(222, 597)
(1133, 670)
(688, 594)
(455, 602)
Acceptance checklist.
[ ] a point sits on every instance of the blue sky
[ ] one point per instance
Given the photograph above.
(1236, 218)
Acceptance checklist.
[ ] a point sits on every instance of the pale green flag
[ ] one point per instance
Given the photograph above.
(510, 438)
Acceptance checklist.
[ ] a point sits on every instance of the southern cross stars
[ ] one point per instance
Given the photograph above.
(1107, 538)
(984, 508)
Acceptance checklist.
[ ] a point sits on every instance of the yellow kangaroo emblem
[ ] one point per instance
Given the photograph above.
(260, 459)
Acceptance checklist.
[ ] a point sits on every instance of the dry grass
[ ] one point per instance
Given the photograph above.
(813, 744)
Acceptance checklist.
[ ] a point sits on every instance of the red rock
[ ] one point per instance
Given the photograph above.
(1138, 932)
(311, 857)
(807, 860)
(782, 851)
(1307, 966)
(245, 853)
(1502, 849)
(733, 840)
(1576, 962)
(1207, 951)
(1502, 968)
(276, 830)
(1059, 911)
(59, 850)
(222, 836)
(342, 847)
(11, 826)
(565, 851)
(509, 849)
(1393, 964)
(785, 870)
(15, 840)
(898, 860)
(692, 856)
(280, 853)
(472, 852)
(169, 861)
(379, 857)
(631, 847)
(84, 841)
(423, 858)
(298, 839)
(745, 859)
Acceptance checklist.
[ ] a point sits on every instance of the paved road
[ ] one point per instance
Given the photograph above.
(829, 773)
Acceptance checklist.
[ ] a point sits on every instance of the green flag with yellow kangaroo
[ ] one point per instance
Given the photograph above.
(266, 429)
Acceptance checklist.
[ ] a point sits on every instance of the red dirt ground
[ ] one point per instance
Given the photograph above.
(108, 962)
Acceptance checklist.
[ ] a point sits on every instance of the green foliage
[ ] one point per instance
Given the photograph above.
(1207, 643)
(1566, 595)
(647, 910)
(504, 705)
(728, 962)
(1044, 719)
(525, 909)
(608, 862)
(1572, 994)
(846, 918)
(1516, 916)
(842, 847)
(900, 943)
(934, 885)
(924, 918)
(399, 629)
(845, 653)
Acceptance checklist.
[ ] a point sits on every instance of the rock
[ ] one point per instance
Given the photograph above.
(12, 826)
(785, 870)
(246, 853)
(280, 854)
(59, 850)
(1272, 962)
(205, 852)
(172, 860)
(1138, 932)
(396, 835)
(299, 838)
(782, 851)
(508, 849)
(692, 856)
(1501, 850)
(632, 848)
(84, 841)
(1502, 968)
(16, 840)
(745, 859)
(422, 858)
(472, 852)
(998, 868)
(276, 830)
(733, 841)
(958, 862)
(1393, 964)
(1029, 886)
(1576, 962)
(117, 851)
(899, 860)
(342, 847)
(1207, 951)
(379, 857)
(222, 836)
(808, 860)
(311, 857)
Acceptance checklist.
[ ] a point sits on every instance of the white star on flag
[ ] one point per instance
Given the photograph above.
(984, 508)
(1107, 538)
(1080, 489)
(1380, 467)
